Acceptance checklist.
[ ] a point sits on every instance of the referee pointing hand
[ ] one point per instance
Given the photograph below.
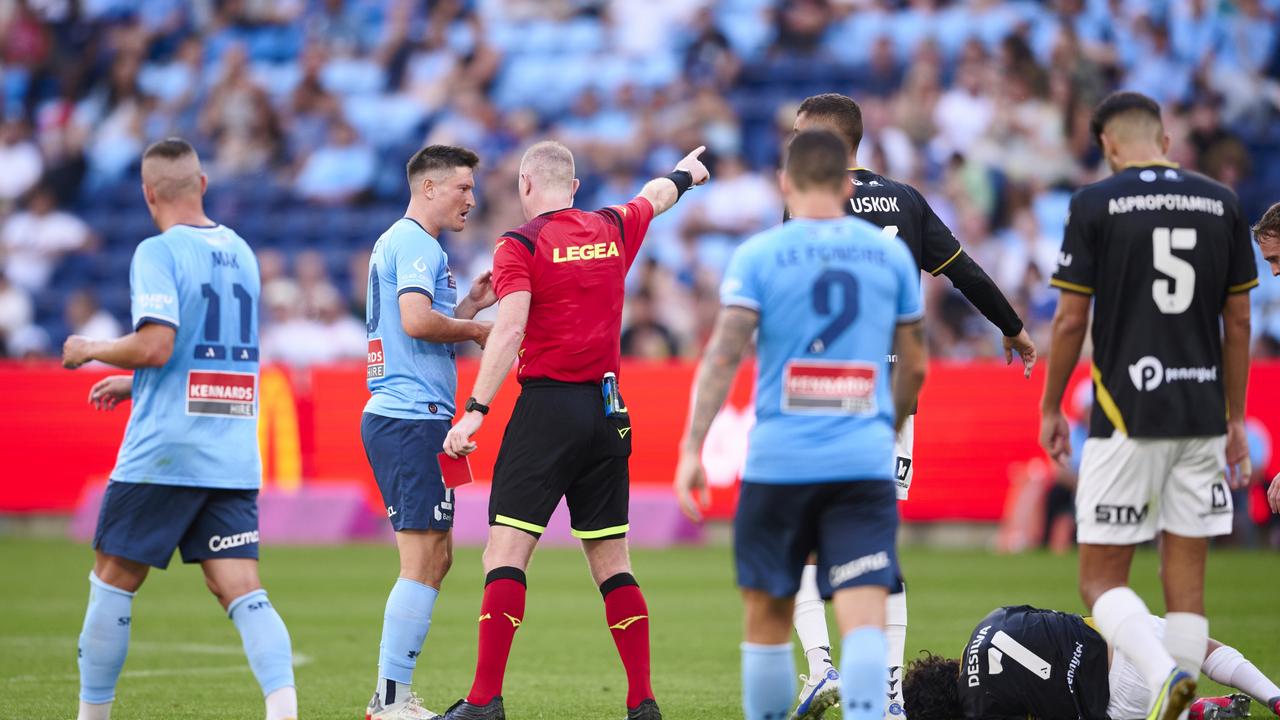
(559, 279)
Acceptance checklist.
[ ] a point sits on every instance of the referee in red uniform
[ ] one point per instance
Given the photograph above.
(559, 279)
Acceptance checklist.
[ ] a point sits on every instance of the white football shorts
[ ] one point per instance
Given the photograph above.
(903, 472)
(1132, 488)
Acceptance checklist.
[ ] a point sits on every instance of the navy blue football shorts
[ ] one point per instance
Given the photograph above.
(403, 454)
(851, 526)
(146, 523)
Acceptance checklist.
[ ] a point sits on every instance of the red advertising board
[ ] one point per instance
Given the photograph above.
(977, 423)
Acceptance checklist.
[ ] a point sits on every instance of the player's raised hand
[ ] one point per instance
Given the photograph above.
(691, 478)
(1273, 495)
(109, 392)
(482, 294)
(76, 352)
(692, 165)
(1239, 469)
(1026, 349)
(458, 442)
(1055, 436)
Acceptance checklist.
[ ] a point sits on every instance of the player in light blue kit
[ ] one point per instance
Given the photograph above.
(832, 297)
(189, 468)
(413, 320)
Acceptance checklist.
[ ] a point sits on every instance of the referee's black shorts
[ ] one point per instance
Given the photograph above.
(559, 443)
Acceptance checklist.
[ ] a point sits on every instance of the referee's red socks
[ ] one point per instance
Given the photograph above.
(628, 618)
(501, 612)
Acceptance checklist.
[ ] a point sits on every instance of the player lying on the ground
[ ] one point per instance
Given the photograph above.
(1021, 661)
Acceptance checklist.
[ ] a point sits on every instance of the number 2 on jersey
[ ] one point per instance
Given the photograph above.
(1176, 299)
(843, 314)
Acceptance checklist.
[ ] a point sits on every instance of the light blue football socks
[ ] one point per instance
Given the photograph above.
(265, 638)
(404, 628)
(104, 640)
(768, 681)
(863, 673)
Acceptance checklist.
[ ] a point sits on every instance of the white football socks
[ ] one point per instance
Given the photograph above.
(94, 711)
(811, 623)
(1125, 622)
(895, 631)
(1227, 666)
(1186, 637)
(282, 704)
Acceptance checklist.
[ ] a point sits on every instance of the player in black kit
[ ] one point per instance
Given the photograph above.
(1164, 257)
(902, 212)
(1025, 662)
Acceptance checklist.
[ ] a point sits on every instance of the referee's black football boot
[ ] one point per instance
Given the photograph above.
(463, 710)
(646, 710)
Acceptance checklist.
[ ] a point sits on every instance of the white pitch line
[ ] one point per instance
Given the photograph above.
(299, 659)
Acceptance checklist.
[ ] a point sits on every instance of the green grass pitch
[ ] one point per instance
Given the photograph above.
(185, 659)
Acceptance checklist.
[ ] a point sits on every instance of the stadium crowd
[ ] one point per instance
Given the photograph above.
(306, 110)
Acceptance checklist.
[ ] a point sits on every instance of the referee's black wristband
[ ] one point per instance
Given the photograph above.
(683, 180)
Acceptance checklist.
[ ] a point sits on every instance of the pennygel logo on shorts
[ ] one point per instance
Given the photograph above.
(377, 364)
(218, 543)
(222, 394)
(829, 387)
(1149, 373)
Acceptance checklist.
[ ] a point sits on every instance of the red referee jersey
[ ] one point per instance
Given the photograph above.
(574, 264)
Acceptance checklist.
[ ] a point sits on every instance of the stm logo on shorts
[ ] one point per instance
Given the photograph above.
(221, 394)
(1120, 514)
(218, 543)
(841, 574)
(830, 388)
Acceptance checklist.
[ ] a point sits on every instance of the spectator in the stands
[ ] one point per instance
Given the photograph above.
(16, 312)
(725, 213)
(645, 337)
(240, 120)
(20, 163)
(84, 316)
(339, 171)
(36, 239)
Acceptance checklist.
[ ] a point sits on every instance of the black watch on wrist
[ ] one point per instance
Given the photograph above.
(473, 405)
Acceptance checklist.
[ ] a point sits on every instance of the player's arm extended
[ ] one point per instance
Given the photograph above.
(662, 193)
(982, 292)
(150, 346)
(420, 321)
(1070, 323)
(733, 331)
(1235, 375)
(908, 374)
(495, 363)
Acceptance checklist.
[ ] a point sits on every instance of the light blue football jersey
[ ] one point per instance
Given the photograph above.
(408, 378)
(830, 294)
(195, 419)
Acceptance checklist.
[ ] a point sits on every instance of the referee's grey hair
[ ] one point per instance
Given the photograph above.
(550, 164)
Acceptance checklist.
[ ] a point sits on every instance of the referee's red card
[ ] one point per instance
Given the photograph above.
(456, 472)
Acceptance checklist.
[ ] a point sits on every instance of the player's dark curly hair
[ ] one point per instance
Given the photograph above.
(931, 689)
(1121, 103)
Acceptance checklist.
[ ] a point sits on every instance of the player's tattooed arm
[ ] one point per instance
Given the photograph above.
(908, 374)
(729, 340)
(734, 328)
